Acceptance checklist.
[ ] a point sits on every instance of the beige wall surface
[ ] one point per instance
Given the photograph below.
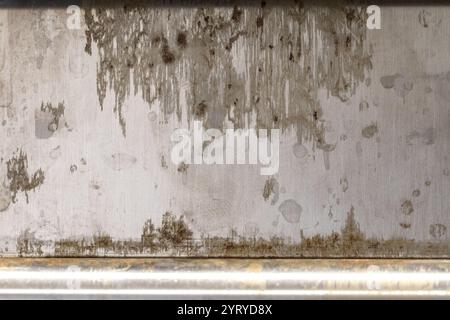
(87, 114)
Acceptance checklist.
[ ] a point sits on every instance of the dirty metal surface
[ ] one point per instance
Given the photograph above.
(223, 278)
(87, 113)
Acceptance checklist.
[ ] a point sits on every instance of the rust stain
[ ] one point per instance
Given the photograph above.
(174, 238)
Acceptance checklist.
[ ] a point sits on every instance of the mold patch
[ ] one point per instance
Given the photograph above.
(19, 178)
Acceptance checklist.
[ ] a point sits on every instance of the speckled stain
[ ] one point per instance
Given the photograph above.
(19, 178)
(348, 147)
(174, 238)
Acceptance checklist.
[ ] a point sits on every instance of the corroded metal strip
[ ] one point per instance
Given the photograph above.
(263, 278)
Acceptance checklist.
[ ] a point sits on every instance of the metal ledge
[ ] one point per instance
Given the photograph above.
(224, 278)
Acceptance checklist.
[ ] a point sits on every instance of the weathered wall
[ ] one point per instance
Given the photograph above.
(86, 118)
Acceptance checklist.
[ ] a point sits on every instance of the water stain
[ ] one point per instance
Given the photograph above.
(428, 19)
(73, 168)
(48, 120)
(94, 185)
(300, 151)
(388, 82)
(152, 116)
(28, 245)
(438, 231)
(5, 197)
(363, 106)
(164, 162)
(426, 137)
(200, 111)
(182, 39)
(369, 131)
(134, 50)
(423, 17)
(344, 184)
(291, 211)
(183, 168)
(407, 207)
(359, 149)
(401, 85)
(55, 153)
(120, 161)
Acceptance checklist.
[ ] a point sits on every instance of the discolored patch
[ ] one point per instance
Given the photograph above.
(5, 197)
(369, 131)
(200, 110)
(182, 39)
(183, 168)
(291, 211)
(363, 106)
(344, 184)
(149, 59)
(388, 82)
(407, 207)
(168, 57)
(120, 161)
(426, 137)
(271, 189)
(48, 120)
(401, 85)
(300, 151)
(438, 231)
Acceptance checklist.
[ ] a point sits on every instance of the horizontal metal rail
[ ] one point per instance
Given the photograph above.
(224, 278)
